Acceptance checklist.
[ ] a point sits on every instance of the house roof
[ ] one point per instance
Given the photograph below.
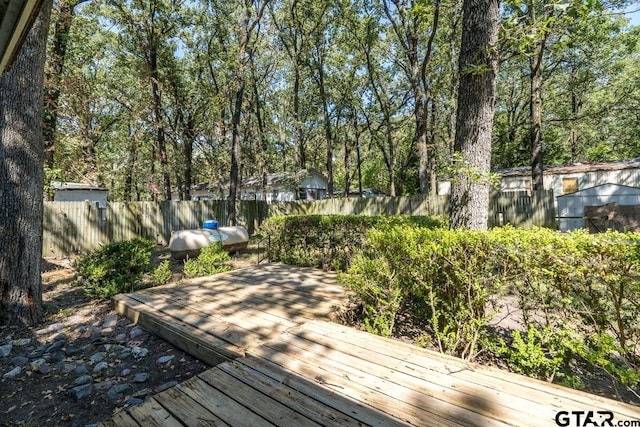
(75, 186)
(575, 168)
(279, 179)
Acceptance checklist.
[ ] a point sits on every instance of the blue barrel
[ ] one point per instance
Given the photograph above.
(211, 224)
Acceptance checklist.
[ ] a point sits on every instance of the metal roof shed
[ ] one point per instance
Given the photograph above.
(571, 206)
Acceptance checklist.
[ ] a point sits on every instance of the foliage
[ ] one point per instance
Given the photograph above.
(162, 274)
(450, 272)
(578, 294)
(328, 241)
(115, 268)
(210, 261)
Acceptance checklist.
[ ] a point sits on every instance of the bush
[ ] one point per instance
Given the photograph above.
(115, 268)
(162, 274)
(448, 273)
(328, 241)
(209, 262)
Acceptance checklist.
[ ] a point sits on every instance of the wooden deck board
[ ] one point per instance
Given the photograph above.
(279, 362)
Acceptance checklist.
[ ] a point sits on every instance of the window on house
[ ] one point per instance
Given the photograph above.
(569, 185)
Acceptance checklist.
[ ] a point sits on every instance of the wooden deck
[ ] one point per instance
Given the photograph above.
(296, 371)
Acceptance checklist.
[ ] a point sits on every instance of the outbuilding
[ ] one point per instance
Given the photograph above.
(78, 192)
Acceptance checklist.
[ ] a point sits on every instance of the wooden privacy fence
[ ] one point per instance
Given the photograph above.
(79, 227)
(520, 209)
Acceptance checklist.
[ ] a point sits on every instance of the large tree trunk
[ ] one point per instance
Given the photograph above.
(478, 69)
(22, 179)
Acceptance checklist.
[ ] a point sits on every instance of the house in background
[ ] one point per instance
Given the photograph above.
(306, 184)
(78, 192)
(571, 178)
(599, 208)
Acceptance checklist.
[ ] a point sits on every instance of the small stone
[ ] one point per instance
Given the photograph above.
(165, 386)
(115, 391)
(106, 331)
(19, 361)
(133, 401)
(82, 391)
(55, 346)
(22, 342)
(124, 355)
(80, 370)
(126, 372)
(142, 393)
(135, 332)
(13, 373)
(40, 365)
(5, 350)
(36, 354)
(83, 379)
(121, 338)
(140, 378)
(60, 336)
(103, 385)
(100, 367)
(110, 321)
(56, 327)
(70, 351)
(139, 352)
(54, 358)
(96, 357)
(165, 359)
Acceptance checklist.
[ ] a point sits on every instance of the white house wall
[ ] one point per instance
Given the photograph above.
(80, 196)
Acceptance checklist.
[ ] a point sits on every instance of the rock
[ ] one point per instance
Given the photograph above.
(82, 391)
(136, 332)
(126, 372)
(55, 346)
(110, 321)
(81, 369)
(165, 386)
(19, 361)
(70, 351)
(140, 378)
(60, 336)
(96, 357)
(142, 393)
(106, 331)
(13, 373)
(121, 338)
(5, 350)
(36, 354)
(124, 355)
(139, 352)
(22, 342)
(83, 379)
(54, 358)
(37, 366)
(56, 327)
(115, 391)
(103, 385)
(100, 367)
(133, 401)
(165, 359)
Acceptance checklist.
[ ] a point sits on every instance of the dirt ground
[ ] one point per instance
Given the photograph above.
(48, 389)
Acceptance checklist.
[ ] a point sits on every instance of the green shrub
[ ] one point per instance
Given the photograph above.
(328, 241)
(209, 262)
(162, 274)
(449, 273)
(115, 268)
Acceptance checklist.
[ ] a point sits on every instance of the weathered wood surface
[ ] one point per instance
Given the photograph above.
(296, 371)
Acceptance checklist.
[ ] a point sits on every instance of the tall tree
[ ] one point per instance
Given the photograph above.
(22, 178)
(478, 69)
